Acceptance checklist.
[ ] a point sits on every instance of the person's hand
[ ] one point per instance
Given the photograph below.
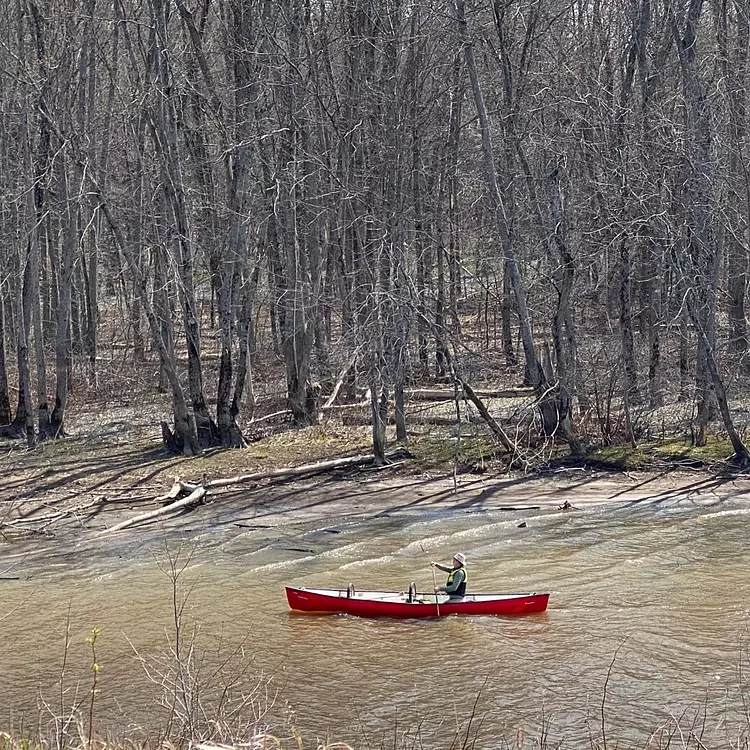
(437, 589)
(432, 563)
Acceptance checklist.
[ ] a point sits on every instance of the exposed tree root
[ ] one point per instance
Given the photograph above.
(12, 431)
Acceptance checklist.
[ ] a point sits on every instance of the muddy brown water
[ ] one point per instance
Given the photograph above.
(647, 621)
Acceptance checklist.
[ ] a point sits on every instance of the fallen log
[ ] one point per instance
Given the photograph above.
(335, 408)
(447, 394)
(267, 417)
(198, 491)
(194, 497)
(176, 490)
(304, 470)
(362, 420)
(42, 521)
(488, 418)
(340, 380)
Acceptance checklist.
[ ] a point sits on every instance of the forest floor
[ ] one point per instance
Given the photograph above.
(112, 466)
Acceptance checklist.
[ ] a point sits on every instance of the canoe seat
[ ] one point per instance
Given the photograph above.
(350, 591)
(412, 593)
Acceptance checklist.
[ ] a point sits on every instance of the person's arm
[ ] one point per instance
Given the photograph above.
(458, 579)
(444, 568)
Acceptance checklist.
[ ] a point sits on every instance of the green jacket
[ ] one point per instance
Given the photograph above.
(455, 586)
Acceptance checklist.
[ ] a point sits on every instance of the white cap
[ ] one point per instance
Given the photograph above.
(461, 557)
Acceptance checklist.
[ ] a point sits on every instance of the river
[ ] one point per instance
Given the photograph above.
(646, 626)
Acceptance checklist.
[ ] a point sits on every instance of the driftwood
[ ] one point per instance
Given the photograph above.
(47, 519)
(195, 496)
(198, 491)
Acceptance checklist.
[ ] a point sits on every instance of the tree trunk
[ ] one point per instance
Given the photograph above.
(735, 68)
(185, 434)
(5, 411)
(563, 331)
(70, 237)
(702, 250)
(422, 259)
(238, 182)
(90, 250)
(295, 306)
(502, 207)
(164, 127)
(379, 406)
(246, 326)
(36, 200)
(741, 453)
(630, 374)
(655, 317)
(23, 424)
(454, 193)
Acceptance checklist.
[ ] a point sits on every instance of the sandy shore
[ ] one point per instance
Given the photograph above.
(69, 492)
(86, 510)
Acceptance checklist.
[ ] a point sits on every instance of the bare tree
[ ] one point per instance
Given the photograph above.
(554, 405)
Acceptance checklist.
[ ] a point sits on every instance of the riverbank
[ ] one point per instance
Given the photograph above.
(108, 472)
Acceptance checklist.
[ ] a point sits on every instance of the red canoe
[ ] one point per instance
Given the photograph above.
(389, 604)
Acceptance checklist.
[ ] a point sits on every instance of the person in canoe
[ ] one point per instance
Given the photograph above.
(455, 586)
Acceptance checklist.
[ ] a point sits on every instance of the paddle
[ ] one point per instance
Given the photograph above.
(434, 583)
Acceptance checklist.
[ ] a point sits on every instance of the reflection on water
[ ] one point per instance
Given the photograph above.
(651, 602)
